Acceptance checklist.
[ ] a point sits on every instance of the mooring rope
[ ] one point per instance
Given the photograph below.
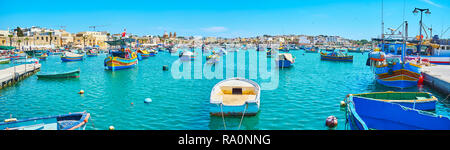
(223, 118)
(243, 114)
(443, 101)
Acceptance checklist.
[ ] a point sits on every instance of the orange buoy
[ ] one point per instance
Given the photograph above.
(132, 103)
(331, 122)
(81, 92)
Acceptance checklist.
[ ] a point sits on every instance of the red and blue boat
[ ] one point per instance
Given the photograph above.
(120, 59)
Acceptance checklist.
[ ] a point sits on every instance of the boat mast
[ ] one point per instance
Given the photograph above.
(382, 27)
(405, 39)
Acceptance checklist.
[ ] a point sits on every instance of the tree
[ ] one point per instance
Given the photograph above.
(10, 40)
(18, 41)
(51, 38)
(26, 39)
(19, 32)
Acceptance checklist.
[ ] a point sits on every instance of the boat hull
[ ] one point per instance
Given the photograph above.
(71, 74)
(284, 63)
(398, 75)
(71, 121)
(117, 63)
(251, 110)
(68, 59)
(332, 58)
(415, 100)
(366, 114)
(91, 55)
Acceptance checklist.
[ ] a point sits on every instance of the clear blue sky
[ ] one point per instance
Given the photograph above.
(354, 19)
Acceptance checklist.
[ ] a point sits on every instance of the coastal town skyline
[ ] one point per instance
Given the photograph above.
(229, 20)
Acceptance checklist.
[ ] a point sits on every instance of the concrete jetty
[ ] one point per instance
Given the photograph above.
(438, 78)
(11, 75)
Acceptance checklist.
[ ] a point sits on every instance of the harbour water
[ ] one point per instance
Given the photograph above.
(306, 95)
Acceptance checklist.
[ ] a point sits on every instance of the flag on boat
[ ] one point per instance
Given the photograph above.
(124, 32)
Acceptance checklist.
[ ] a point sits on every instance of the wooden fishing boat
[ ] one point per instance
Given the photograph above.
(414, 100)
(91, 53)
(337, 55)
(143, 53)
(213, 59)
(120, 59)
(235, 96)
(368, 114)
(269, 52)
(152, 53)
(68, 56)
(43, 56)
(68, 74)
(391, 72)
(285, 60)
(311, 50)
(187, 55)
(71, 121)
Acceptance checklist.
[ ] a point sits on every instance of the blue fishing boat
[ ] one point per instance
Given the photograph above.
(123, 58)
(337, 55)
(414, 100)
(152, 53)
(367, 114)
(71, 121)
(68, 56)
(235, 96)
(285, 60)
(270, 52)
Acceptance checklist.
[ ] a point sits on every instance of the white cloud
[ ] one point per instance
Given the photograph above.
(215, 29)
(432, 3)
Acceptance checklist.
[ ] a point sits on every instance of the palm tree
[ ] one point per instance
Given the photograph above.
(10, 40)
(18, 41)
(26, 39)
(84, 41)
(50, 34)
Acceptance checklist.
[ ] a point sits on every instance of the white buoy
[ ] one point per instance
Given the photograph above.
(148, 100)
(111, 127)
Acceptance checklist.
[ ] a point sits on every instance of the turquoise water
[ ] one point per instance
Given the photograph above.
(306, 95)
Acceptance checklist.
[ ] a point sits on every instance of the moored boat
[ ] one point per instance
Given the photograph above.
(414, 100)
(120, 59)
(43, 56)
(337, 55)
(71, 121)
(68, 74)
(367, 114)
(91, 53)
(285, 60)
(143, 53)
(68, 56)
(187, 55)
(269, 52)
(235, 96)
